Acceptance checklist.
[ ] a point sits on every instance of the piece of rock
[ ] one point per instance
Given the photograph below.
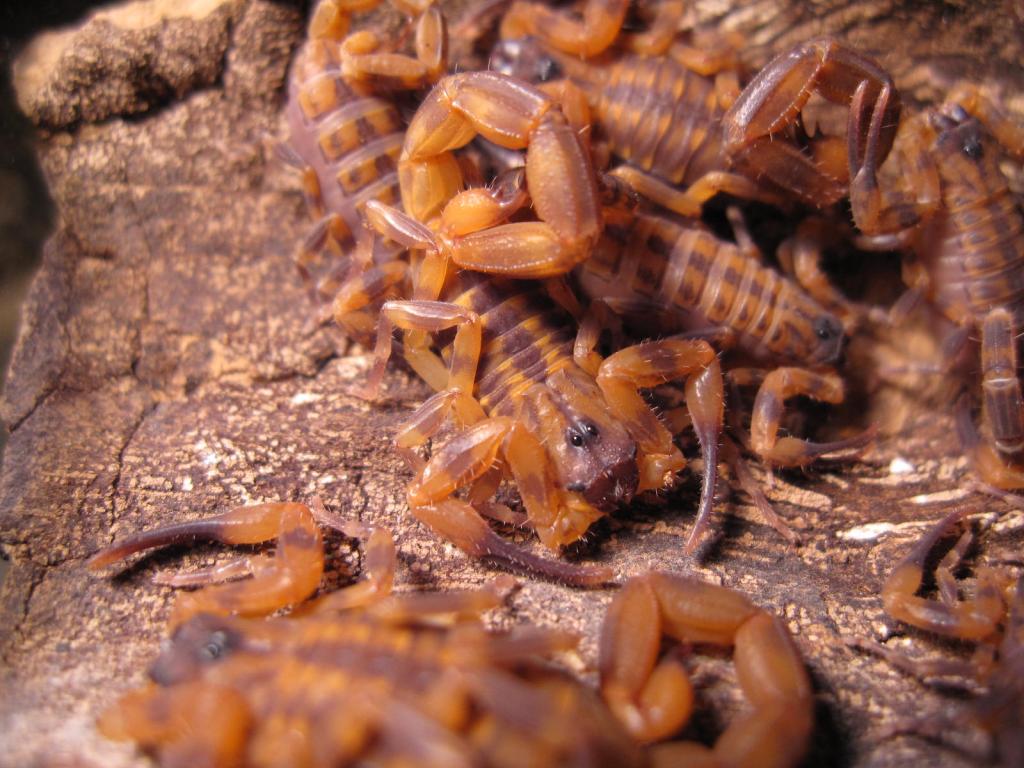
(167, 369)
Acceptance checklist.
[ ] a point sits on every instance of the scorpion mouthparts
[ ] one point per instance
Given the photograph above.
(614, 487)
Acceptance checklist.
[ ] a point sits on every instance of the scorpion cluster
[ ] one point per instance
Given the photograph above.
(522, 230)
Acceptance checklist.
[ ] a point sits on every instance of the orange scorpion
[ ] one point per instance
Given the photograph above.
(351, 677)
(676, 115)
(943, 201)
(345, 138)
(577, 444)
(361, 674)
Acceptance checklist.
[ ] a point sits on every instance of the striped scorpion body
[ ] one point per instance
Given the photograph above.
(353, 677)
(675, 114)
(362, 675)
(664, 276)
(577, 444)
(943, 201)
(346, 134)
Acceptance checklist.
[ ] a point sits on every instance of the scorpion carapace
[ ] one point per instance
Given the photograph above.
(943, 200)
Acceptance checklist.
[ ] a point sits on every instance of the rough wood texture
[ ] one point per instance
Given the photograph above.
(166, 370)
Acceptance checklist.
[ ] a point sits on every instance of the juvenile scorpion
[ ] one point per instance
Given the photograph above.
(683, 128)
(345, 137)
(943, 201)
(577, 444)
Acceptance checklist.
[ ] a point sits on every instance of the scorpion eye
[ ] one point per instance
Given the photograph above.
(548, 69)
(827, 327)
(581, 433)
(591, 429)
(576, 439)
(972, 146)
(215, 647)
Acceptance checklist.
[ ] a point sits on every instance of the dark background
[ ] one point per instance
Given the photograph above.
(26, 212)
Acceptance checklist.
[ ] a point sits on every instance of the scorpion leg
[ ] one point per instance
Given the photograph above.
(428, 316)
(654, 699)
(291, 576)
(195, 723)
(598, 317)
(601, 23)
(649, 365)
(777, 387)
(689, 202)
(801, 256)
(773, 100)
(975, 619)
(1003, 406)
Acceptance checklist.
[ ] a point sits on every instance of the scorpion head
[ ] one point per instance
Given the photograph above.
(199, 643)
(524, 58)
(958, 132)
(593, 456)
(829, 336)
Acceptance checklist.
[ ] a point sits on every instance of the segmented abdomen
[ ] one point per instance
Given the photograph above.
(980, 255)
(526, 337)
(349, 141)
(657, 266)
(660, 116)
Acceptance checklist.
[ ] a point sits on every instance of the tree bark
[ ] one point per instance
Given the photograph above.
(167, 369)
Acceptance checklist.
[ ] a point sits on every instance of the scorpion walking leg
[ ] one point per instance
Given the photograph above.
(801, 256)
(690, 202)
(777, 387)
(654, 699)
(195, 723)
(429, 317)
(291, 576)
(975, 619)
(652, 364)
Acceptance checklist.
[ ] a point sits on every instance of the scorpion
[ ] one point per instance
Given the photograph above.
(354, 676)
(345, 137)
(684, 129)
(363, 675)
(993, 618)
(578, 444)
(687, 279)
(945, 204)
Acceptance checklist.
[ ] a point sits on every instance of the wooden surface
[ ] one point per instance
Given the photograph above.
(166, 370)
